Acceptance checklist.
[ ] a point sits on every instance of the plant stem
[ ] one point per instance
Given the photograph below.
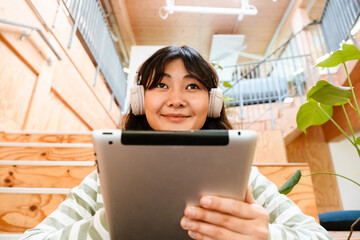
(315, 173)
(351, 129)
(352, 228)
(352, 90)
(352, 106)
(343, 132)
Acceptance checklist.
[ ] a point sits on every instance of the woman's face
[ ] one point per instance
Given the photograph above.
(178, 102)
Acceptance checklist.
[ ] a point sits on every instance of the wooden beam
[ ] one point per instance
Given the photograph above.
(123, 21)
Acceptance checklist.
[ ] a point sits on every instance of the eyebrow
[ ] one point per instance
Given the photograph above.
(186, 76)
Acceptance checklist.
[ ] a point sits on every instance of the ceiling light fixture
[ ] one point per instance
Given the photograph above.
(245, 9)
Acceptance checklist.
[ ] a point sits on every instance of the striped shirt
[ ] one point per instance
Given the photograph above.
(82, 215)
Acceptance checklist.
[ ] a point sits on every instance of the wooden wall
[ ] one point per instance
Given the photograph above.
(313, 149)
(55, 95)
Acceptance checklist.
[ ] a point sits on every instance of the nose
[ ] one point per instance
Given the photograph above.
(176, 98)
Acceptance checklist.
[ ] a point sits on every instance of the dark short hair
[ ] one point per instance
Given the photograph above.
(152, 71)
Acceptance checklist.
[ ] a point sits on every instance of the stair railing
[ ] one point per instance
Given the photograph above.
(260, 88)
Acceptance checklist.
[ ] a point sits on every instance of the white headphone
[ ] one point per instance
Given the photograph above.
(137, 102)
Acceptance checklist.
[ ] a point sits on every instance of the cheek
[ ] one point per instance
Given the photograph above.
(200, 105)
(152, 108)
(151, 102)
(203, 103)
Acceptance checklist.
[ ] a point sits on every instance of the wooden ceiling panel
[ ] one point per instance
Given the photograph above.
(196, 30)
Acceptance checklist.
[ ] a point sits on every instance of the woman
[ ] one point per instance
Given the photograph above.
(177, 82)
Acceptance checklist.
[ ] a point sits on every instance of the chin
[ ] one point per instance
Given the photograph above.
(173, 127)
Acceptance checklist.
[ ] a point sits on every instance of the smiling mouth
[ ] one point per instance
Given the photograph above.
(175, 117)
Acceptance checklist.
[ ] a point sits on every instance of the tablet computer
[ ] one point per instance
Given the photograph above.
(149, 177)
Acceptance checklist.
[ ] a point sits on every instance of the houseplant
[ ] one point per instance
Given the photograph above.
(319, 109)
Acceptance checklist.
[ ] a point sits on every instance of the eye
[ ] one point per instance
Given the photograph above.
(161, 85)
(193, 86)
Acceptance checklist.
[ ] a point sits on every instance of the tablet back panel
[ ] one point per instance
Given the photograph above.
(149, 177)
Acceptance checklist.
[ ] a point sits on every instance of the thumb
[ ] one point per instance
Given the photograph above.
(249, 196)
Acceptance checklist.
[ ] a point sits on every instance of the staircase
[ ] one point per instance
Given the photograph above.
(267, 94)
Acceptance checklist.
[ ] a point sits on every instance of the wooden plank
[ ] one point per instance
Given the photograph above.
(26, 210)
(43, 176)
(39, 153)
(303, 192)
(66, 84)
(8, 123)
(45, 138)
(270, 147)
(59, 116)
(17, 82)
(312, 148)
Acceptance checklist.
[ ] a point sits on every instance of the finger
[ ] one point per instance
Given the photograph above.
(249, 198)
(210, 231)
(229, 206)
(224, 220)
(198, 236)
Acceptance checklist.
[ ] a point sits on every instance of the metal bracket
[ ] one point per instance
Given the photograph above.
(42, 35)
(23, 35)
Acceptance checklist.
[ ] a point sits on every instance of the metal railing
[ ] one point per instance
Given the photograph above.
(338, 19)
(260, 88)
(89, 19)
(38, 30)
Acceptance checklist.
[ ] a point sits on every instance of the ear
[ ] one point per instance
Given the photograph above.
(137, 102)
(215, 103)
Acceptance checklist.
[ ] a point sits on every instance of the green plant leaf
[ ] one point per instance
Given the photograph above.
(325, 93)
(315, 88)
(310, 114)
(358, 141)
(349, 52)
(227, 99)
(216, 65)
(227, 84)
(290, 183)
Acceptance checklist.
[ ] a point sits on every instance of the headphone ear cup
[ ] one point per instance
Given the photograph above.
(137, 102)
(215, 102)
